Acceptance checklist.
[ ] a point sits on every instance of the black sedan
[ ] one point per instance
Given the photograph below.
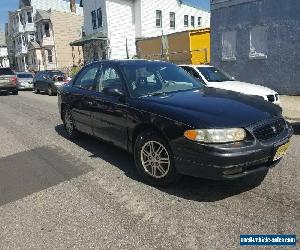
(171, 123)
(48, 81)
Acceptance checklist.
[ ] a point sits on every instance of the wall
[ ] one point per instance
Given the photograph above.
(149, 8)
(89, 6)
(200, 46)
(280, 71)
(59, 5)
(66, 28)
(121, 26)
(4, 62)
(183, 47)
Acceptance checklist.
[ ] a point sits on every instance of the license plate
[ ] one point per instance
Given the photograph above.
(281, 151)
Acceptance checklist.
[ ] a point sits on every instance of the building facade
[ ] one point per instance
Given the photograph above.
(54, 31)
(21, 29)
(258, 41)
(4, 61)
(112, 27)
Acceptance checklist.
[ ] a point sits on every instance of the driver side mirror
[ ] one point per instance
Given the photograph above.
(113, 91)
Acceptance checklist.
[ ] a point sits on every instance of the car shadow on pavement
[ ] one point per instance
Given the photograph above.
(25, 173)
(190, 188)
(296, 127)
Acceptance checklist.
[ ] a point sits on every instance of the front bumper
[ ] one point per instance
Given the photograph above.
(227, 161)
(25, 86)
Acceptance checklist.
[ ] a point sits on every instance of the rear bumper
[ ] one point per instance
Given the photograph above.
(226, 162)
(7, 88)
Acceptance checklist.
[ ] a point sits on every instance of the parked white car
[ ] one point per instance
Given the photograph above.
(216, 78)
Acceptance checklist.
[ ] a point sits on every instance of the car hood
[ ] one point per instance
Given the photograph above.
(243, 87)
(209, 107)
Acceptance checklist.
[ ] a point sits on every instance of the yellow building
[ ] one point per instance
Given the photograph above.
(187, 47)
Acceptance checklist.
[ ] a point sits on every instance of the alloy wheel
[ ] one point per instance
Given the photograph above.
(69, 124)
(50, 92)
(155, 159)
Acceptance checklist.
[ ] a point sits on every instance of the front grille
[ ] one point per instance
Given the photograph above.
(270, 130)
(271, 98)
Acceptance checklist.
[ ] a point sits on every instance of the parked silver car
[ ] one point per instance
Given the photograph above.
(25, 80)
(8, 81)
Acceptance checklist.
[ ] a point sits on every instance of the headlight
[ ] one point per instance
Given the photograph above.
(216, 135)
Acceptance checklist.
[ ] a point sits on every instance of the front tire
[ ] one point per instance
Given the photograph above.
(36, 90)
(15, 92)
(69, 124)
(154, 159)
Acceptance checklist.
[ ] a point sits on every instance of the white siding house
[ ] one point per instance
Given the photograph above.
(125, 21)
(4, 62)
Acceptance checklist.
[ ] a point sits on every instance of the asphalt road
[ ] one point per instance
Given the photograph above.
(85, 194)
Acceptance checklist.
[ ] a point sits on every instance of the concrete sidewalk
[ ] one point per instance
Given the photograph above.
(291, 107)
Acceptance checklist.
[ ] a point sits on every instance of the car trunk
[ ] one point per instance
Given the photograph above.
(8, 81)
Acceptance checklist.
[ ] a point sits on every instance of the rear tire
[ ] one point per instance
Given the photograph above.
(69, 125)
(154, 160)
(50, 91)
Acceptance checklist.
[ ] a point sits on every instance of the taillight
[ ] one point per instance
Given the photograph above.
(13, 80)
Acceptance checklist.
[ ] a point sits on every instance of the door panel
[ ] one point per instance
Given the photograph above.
(81, 110)
(109, 115)
(109, 119)
(84, 85)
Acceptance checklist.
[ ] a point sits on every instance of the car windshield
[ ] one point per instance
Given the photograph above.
(24, 75)
(146, 79)
(213, 74)
(6, 71)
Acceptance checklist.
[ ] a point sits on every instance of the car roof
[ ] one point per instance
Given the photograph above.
(23, 73)
(196, 66)
(130, 61)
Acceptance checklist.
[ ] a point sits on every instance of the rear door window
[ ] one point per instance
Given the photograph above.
(6, 71)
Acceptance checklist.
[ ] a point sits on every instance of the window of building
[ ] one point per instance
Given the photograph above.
(99, 17)
(158, 18)
(21, 19)
(29, 17)
(186, 20)
(229, 45)
(193, 21)
(47, 29)
(50, 55)
(172, 20)
(94, 19)
(258, 42)
(199, 21)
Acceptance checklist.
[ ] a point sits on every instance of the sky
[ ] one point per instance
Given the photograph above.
(6, 5)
